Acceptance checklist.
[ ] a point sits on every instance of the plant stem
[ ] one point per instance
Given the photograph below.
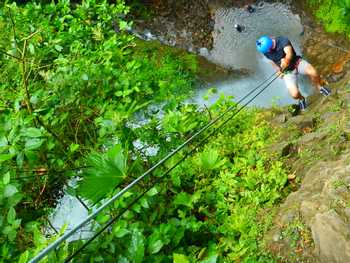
(8, 54)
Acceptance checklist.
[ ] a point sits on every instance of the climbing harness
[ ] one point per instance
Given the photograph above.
(295, 66)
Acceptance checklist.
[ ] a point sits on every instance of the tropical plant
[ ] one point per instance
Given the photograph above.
(335, 14)
(69, 85)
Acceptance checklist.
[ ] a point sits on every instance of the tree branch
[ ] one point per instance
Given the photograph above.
(31, 35)
(46, 127)
(14, 30)
(208, 112)
(25, 77)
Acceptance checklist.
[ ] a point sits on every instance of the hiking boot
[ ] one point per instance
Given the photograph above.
(302, 105)
(325, 91)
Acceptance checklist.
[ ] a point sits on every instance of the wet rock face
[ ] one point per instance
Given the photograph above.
(329, 57)
(313, 223)
(329, 53)
(184, 23)
(321, 203)
(331, 234)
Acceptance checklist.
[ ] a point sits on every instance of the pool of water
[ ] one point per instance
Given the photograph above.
(233, 49)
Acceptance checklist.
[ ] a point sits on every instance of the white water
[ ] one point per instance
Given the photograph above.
(68, 213)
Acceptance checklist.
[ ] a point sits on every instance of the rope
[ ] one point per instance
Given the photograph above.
(242, 99)
(113, 220)
(58, 241)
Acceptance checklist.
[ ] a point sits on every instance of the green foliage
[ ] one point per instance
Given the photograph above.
(211, 205)
(104, 173)
(175, 121)
(9, 198)
(209, 160)
(71, 78)
(335, 15)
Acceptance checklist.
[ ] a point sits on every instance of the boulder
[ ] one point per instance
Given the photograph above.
(302, 122)
(321, 205)
(331, 238)
(312, 136)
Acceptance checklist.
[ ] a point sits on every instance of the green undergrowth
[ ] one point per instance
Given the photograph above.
(214, 207)
(69, 85)
(335, 15)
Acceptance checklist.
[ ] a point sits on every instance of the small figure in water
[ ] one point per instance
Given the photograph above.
(250, 9)
(239, 28)
(288, 65)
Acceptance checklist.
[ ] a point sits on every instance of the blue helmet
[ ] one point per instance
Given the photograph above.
(264, 44)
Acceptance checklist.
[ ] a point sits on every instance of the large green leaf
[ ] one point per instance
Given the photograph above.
(5, 157)
(11, 215)
(24, 257)
(105, 172)
(209, 159)
(33, 143)
(31, 132)
(174, 121)
(10, 190)
(183, 199)
(210, 259)
(137, 247)
(155, 243)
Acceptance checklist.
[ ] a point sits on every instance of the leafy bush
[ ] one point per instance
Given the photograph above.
(335, 15)
(69, 84)
(210, 206)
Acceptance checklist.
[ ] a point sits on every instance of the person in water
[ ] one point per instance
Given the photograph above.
(250, 8)
(288, 65)
(239, 28)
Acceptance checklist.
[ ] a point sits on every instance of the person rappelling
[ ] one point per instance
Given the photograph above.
(288, 65)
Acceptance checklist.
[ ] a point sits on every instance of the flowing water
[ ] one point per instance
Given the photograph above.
(68, 213)
(233, 49)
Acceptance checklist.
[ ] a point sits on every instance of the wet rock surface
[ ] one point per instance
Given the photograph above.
(181, 23)
(316, 203)
(330, 234)
(329, 53)
(313, 223)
